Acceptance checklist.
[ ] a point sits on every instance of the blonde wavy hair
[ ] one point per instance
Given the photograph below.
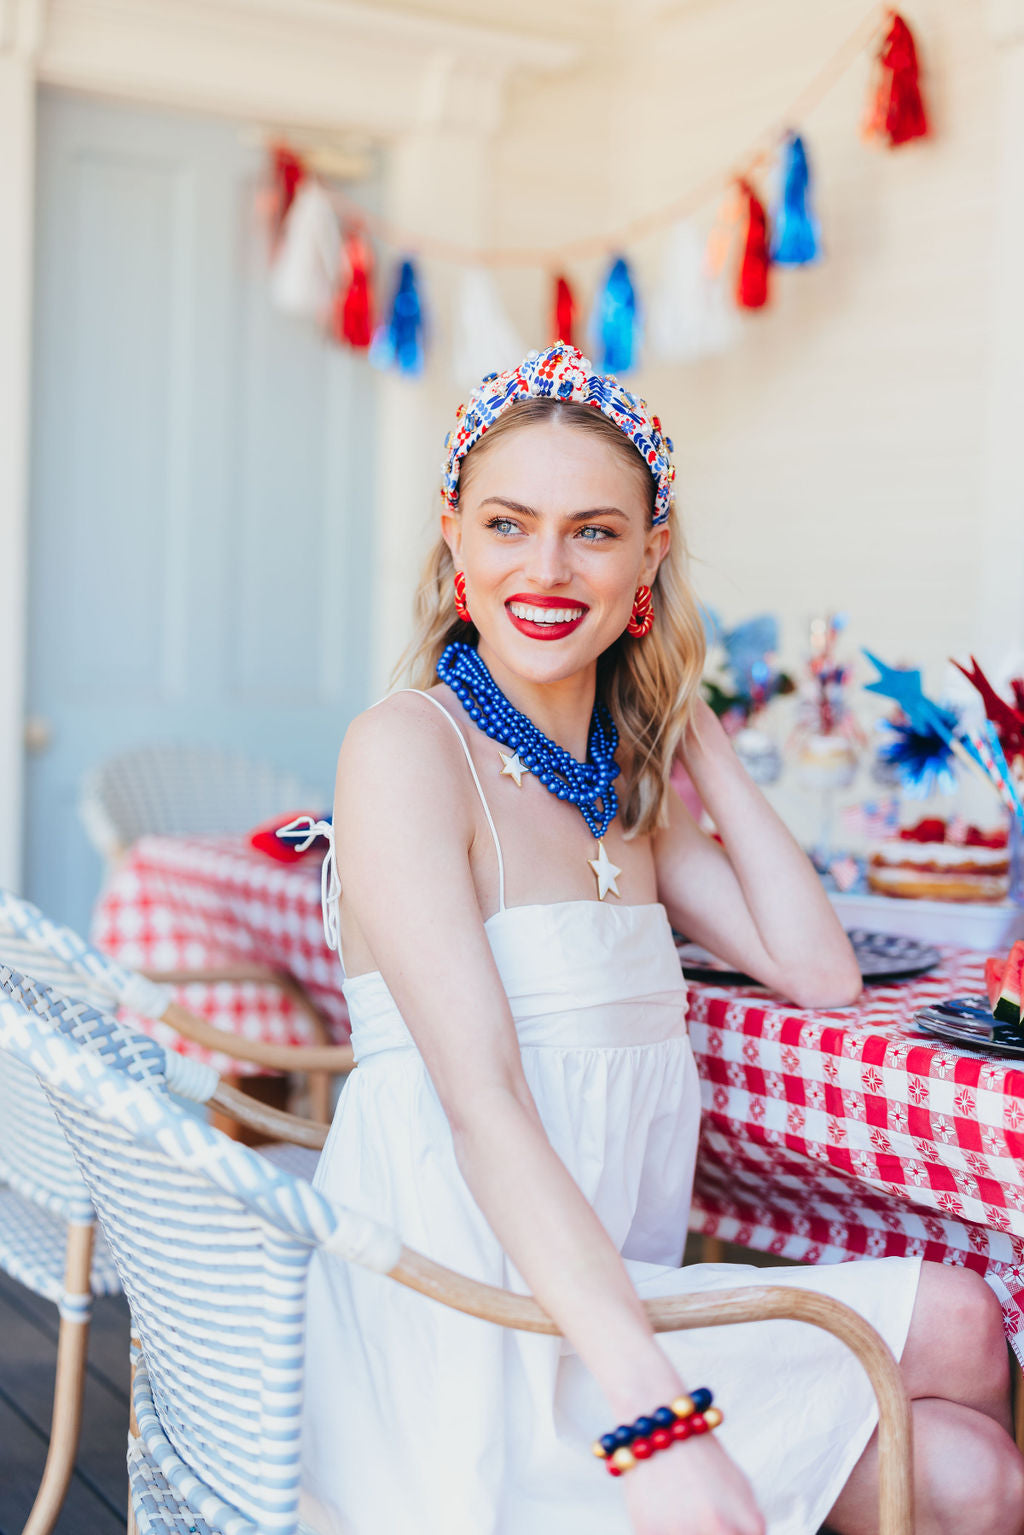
(649, 685)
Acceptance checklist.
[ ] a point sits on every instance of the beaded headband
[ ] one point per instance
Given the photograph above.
(561, 373)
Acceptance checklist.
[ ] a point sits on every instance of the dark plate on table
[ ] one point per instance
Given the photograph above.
(882, 957)
(968, 1023)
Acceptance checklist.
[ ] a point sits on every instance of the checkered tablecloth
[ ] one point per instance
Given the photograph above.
(827, 1135)
(201, 903)
(839, 1134)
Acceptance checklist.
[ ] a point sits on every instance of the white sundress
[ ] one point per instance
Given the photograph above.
(419, 1420)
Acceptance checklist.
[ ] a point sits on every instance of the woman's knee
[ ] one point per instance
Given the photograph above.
(968, 1474)
(990, 1490)
(956, 1347)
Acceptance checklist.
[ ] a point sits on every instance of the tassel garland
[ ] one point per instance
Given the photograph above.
(752, 278)
(615, 320)
(563, 312)
(694, 309)
(398, 342)
(796, 238)
(352, 316)
(895, 111)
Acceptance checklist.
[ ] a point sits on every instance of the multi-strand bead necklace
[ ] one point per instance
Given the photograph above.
(587, 785)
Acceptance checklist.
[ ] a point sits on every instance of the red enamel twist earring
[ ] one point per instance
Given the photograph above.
(459, 582)
(641, 620)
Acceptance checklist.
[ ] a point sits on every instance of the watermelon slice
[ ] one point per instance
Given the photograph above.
(1007, 1008)
(994, 971)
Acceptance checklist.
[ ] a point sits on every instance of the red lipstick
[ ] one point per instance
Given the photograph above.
(538, 630)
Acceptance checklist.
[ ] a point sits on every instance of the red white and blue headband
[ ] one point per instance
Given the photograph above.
(561, 373)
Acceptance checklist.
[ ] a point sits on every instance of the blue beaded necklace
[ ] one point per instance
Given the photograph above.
(587, 785)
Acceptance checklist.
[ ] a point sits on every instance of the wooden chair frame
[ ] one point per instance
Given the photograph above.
(320, 1061)
(87, 1062)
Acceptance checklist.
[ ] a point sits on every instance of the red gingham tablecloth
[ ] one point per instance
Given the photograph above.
(200, 903)
(833, 1134)
(827, 1134)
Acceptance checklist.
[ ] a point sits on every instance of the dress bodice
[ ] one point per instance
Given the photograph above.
(578, 974)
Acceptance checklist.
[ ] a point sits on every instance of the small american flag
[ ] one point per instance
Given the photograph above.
(852, 818)
(956, 830)
(845, 872)
(874, 819)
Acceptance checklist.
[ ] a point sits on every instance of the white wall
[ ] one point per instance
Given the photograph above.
(842, 454)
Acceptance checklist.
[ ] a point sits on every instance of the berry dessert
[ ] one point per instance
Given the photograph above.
(922, 863)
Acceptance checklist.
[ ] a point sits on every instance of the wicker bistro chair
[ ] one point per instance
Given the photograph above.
(213, 1245)
(32, 944)
(47, 1237)
(182, 790)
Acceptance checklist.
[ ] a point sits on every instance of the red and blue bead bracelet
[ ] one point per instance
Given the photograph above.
(633, 1442)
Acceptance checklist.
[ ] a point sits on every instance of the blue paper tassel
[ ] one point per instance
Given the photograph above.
(616, 320)
(796, 236)
(398, 343)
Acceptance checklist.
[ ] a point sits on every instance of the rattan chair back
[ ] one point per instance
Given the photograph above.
(180, 790)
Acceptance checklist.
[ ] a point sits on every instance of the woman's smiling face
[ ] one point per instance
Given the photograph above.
(552, 536)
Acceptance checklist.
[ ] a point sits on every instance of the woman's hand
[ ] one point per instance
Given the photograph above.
(691, 1489)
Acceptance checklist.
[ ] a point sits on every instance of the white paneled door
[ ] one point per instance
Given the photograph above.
(200, 536)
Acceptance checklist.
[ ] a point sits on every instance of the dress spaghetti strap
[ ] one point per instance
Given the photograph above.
(330, 883)
(476, 779)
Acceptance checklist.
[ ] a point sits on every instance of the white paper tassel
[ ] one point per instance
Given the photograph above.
(692, 315)
(485, 340)
(305, 273)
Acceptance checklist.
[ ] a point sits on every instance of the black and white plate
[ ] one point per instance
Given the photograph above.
(968, 1023)
(882, 957)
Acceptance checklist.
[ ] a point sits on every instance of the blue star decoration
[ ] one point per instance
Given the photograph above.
(925, 717)
(903, 685)
(922, 751)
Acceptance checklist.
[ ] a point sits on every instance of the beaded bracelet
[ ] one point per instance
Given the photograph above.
(633, 1442)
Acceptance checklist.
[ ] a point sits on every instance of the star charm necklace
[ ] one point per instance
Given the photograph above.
(512, 767)
(605, 872)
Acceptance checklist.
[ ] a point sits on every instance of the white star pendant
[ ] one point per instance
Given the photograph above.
(511, 767)
(605, 872)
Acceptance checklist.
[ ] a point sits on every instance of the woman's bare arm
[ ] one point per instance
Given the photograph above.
(404, 822)
(755, 900)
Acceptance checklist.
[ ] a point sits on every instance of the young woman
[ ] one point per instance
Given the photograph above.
(510, 861)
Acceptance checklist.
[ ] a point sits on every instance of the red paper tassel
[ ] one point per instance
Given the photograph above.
(896, 109)
(289, 172)
(752, 280)
(352, 318)
(564, 312)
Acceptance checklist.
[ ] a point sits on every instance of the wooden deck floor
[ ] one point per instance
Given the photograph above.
(98, 1494)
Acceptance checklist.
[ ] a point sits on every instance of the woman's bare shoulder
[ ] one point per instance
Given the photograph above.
(402, 746)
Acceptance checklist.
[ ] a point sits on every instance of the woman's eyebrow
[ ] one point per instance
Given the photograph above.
(529, 511)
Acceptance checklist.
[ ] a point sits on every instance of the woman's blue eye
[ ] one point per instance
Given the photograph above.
(502, 525)
(600, 533)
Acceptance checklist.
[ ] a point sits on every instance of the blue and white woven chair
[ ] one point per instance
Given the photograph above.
(170, 790)
(47, 951)
(213, 1245)
(46, 1222)
(49, 1243)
